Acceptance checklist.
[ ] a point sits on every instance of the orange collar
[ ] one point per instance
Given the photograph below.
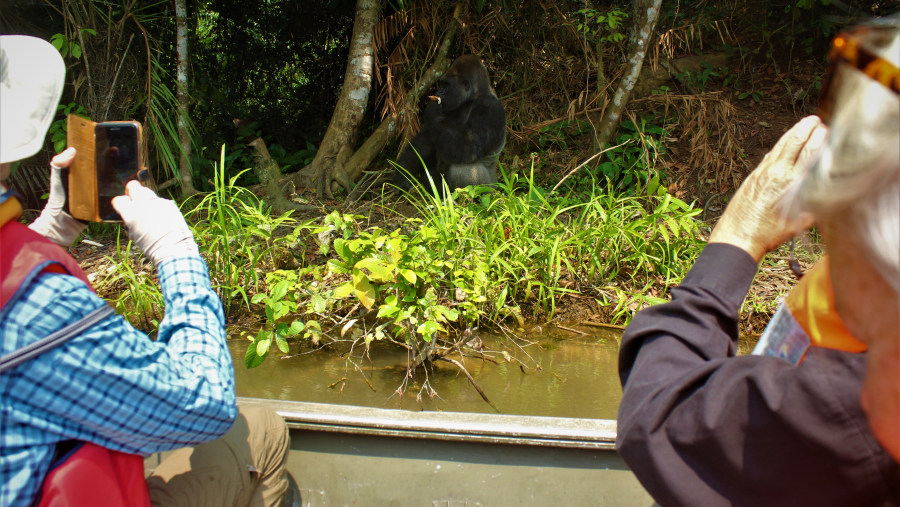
(811, 303)
(10, 207)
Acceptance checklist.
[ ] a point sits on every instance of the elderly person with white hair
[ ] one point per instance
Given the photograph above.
(813, 416)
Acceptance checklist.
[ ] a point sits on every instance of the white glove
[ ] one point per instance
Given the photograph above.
(154, 224)
(54, 223)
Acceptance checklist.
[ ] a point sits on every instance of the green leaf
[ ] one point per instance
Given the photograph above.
(296, 328)
(317, 303)
(379, 272)
(428, 329)
(58, 41)
(257, 297)
(447, 313)
(251, 358)
(282, 344)
(76, 50)
(262, 346)
(280, 290)
(341, 247)
(364, 291)
(337, 267)
(281, 310)
(343, 290)
(387, 311)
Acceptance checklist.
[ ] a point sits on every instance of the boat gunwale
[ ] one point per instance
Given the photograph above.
(450, 426)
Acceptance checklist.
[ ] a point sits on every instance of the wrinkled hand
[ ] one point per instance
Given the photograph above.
(753, 220)
(54, 223)
(154, 224)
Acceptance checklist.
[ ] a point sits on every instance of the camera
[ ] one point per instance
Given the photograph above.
(109, 155)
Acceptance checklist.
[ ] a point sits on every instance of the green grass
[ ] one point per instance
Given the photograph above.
(236, 233)
(138, 296)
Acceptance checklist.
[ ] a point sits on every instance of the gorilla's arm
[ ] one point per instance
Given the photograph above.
(470, 133)
(419, 146)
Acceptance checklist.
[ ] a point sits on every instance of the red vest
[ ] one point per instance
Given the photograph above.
(92, 475)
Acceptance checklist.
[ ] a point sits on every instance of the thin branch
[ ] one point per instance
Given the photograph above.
(601, 152)
(112, 88)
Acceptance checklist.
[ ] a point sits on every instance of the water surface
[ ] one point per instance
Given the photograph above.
(577, 377)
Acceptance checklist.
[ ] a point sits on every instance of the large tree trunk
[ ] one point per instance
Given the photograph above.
(184, 136)
(339, 164)
(376, 142)
(337, 145)
(268, 172)
(646, 13)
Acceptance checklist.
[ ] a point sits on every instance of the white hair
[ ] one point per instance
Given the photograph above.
(855, 181)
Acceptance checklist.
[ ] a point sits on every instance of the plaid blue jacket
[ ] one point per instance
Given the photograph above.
(112, 385)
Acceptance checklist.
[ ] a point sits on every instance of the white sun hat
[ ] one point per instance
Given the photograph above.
(32, 75)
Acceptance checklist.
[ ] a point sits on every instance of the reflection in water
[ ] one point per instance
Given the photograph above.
(578, 378)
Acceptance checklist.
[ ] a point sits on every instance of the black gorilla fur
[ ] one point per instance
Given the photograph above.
(462, 132)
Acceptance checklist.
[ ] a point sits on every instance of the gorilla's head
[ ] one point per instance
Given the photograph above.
(465, 80)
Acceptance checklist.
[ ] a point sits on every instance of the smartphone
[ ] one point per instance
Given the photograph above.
(117, 152)
(109, 155)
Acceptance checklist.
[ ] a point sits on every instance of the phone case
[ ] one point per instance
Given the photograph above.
(83, 196)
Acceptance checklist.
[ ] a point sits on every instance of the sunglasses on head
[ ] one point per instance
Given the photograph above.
(847, 49)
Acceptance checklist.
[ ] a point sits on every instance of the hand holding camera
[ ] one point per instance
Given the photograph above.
(154, 224)
(54, 223)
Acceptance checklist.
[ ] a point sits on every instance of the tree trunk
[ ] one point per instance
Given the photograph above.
(646, 13)
(373, 145)
(337, 145)
(268, 172)
(184, 136)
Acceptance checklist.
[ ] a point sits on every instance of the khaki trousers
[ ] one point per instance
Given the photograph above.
(245, 467)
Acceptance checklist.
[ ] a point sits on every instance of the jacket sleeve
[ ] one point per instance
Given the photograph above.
(699, 426)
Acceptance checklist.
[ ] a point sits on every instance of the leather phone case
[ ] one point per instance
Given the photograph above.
(83, 198)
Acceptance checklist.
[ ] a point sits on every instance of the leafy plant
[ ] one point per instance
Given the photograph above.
(477, 257)
(58, 129)
(141, 300)
(633, 164)
(278, 303)
(67, 46)
(235, 231)
(701, 78)
(604, 26)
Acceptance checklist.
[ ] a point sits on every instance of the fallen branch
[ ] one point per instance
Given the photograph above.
(471, 380)
(600, 324)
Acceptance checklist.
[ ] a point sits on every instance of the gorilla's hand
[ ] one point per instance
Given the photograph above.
(753, 221)
(433, 112)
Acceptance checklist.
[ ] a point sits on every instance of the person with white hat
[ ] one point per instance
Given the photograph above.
(812, 417)
(76, 378)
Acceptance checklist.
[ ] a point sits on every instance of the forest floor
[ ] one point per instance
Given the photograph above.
(761, 122)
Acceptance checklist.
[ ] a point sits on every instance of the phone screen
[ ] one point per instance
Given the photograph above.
(117, 156)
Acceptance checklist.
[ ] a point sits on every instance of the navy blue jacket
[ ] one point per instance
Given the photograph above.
(702, 427)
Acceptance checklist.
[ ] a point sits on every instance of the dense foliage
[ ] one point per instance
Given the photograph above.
(564, 221)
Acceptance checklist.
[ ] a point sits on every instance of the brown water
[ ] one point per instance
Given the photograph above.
(577, 378)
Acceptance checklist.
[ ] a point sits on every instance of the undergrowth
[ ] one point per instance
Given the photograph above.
(481, 257)
(477, 258)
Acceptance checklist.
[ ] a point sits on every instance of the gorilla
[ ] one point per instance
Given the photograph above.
(463, 131)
